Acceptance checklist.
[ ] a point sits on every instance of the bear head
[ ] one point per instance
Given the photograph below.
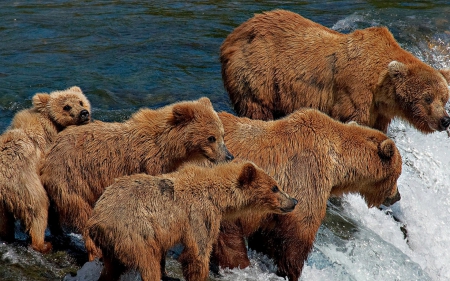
(263, 192)
(421, 93)
(372, 164)
(64, 108)
(203, 130)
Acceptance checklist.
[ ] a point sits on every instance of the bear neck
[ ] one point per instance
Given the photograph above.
(39, 127)
(217, 186)
(163, 141)
(384, 101)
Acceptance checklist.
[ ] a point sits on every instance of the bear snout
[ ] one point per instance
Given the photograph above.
(291, 206)
(391, 200)
(444, 123)
(228, 155)
(84, 116)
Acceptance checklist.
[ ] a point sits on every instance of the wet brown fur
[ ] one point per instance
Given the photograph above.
(140, 217)
(85, 160)
(22, 145)
(278, 61)
(312, 157)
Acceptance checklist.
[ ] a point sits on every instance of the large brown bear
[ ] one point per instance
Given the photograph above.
(85, 160)
(278, 61)
(312, 157)
(22, 145)
(140, 217)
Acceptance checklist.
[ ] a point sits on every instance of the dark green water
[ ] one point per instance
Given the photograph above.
(131, 54)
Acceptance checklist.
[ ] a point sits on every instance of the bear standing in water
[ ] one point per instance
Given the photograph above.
(278, 62)
(312, 157)
(140, 217)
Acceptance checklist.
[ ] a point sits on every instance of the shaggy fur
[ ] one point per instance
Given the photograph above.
(22, 145)
(85, 160)
(312, 157)
(140, 217)
(278, 62)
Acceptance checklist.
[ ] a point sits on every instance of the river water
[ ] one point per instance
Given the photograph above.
(131, 54)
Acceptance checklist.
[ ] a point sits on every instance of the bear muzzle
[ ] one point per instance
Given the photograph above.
(393, 199)
(84, 116)
(290, 207)
(444, 123)
(228, 155)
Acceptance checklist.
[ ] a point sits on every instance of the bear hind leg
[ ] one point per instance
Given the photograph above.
(149, 265)
(230, 251)
(256, 111)
(36, 217)
(112, 270)
(6, 224)
(194, 265)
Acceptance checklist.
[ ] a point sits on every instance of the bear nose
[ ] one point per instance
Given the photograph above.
(294, 201)
(391, 200)
(84, 114)
(445, 122)
(229, 156)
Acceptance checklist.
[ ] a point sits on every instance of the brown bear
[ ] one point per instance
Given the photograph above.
(312, 157)
(22, 145)
(278, 61)
(84, 160)
(140, 217)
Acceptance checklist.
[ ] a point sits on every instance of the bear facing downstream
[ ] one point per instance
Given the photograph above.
(22, 145)
(84, 160)
(278, 61)
(140, 217)
(312, 157)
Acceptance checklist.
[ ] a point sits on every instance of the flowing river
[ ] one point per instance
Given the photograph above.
(131, 54)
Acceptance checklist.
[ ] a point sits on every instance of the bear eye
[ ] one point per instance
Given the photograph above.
(212, 139)
(67, 107)
(428, 99)
(275, 189)
(81, 103)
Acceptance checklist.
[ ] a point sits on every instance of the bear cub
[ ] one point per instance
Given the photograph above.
(22, 146)
(150, 214)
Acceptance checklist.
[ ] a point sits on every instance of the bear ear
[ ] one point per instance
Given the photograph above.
(386, 149)
(446, 73)
(40, 100)
(75, 89)
(397, 69)
(182, 113)
(248, 174)
(205, 101)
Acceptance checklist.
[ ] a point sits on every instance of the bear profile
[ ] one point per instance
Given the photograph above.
(22, 145)
(312, 157)
(84, 160)
(140, 217)
(278, 61)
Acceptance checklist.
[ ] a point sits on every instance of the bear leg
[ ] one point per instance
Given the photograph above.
(92, 250)
(254, 110)
(37, 234)
(112, 270)
(6, 224)
(35, 218)
(230, 251)
(195, 266)
(149, 264)
(288, 243)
